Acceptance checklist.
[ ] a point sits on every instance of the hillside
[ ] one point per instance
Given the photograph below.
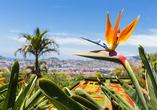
(89, 67)
(2, 58)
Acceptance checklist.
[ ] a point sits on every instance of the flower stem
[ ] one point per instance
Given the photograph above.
(136, 84)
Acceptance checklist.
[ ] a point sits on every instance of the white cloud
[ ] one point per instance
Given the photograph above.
(15, 31)
(127, 53)
(67, 53)
(135, 40)
(63, 34)
(21, 40)
(144, 40)
(76, 41)
(72, 50)
(59, 34)
(59, 40)
(70, 40)
(153, 30)
(65, 38)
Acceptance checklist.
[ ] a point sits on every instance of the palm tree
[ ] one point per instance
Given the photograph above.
(37, 44)
(28, 75)
(40, 69)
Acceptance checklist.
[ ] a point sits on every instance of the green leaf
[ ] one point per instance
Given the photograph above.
(57, 97)
(133, 95)
(85, 102)
(33, 99)
(67, 91)
(136, 85)
(122, 102)
(151, 77)
(3, 91)
(41, 99)
(1, 105)
(22, 95)
(84, 94)
(131, 92)
(44, 105)
(114, 95)
(115, 106)
(11, 92)
(3, 87)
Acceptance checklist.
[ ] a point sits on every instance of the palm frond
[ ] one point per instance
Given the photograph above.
(26, 36)
(29, 67)
(37, 32)
(50, 42)
(43, 62)
(44, 69)
(43, 33)
(18, 50)
(49, 50)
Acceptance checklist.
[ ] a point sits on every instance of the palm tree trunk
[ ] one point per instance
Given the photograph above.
(36, 65)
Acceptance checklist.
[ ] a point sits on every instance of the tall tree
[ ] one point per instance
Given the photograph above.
(37, 44)
(41, 69)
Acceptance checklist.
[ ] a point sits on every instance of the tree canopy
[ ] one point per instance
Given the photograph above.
(37, 44)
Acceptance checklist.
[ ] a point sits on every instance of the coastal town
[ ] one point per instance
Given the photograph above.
(72, 67)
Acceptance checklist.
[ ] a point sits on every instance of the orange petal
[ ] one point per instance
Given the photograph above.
(108, 32)
(116, 28)
(23, 81)
(127, 31)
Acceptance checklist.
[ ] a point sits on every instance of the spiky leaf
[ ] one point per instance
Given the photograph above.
(11, 92)
(84, 94)
(122, 102)
(133, 95)
(85, 102)
(33, 99)
(22, 96)
(151, 77)
(56, 96)
(44, 105)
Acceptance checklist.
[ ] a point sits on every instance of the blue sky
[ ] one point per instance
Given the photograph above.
(68, 20)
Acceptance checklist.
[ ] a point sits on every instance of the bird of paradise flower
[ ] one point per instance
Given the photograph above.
(109, 54)
(113, 40)
(111, 35)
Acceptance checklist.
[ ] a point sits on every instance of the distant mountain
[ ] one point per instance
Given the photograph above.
(10, 58)
(2, 58)
(51, 58)
(134, 59)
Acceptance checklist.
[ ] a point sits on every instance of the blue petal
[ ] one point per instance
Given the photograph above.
(98, 41)
(105, 45)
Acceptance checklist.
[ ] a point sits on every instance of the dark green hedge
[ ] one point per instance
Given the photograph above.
(103, 78)
(94, 79)
(73, 85)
